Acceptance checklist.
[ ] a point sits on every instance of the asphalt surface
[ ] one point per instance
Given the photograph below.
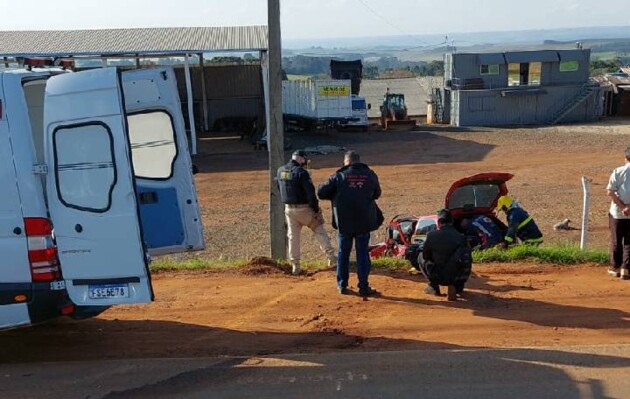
(599, 372)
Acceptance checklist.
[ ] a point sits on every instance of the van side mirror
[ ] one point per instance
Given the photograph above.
(195, 169)
(369, 106)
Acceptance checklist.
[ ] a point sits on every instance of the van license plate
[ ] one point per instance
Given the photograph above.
(107, 291)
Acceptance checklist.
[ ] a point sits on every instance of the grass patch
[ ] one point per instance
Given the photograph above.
(560, 255)
(196, 264)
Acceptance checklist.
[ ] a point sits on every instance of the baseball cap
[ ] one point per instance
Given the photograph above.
(300, 153)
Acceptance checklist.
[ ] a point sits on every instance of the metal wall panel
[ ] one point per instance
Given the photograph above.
(531, 109)
(233, 91)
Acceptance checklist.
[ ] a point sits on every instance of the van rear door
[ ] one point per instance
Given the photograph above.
(167, 198)
(15, 276)
(91, 190)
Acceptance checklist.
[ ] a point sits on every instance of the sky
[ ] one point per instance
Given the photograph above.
(319, 18)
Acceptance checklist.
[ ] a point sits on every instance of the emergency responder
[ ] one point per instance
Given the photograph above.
(520, 224)
(446, 258)
(301, 209)
(482, 232)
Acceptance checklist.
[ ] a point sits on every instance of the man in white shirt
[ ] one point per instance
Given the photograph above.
(618, 190)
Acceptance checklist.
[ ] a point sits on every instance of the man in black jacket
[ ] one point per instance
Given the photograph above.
(446, 258)
(301, 208)
(353, 190)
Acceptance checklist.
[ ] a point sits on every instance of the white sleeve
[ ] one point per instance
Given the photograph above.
(613, 184)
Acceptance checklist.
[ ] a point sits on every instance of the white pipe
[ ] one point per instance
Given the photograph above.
(191, 114)
(586, 185)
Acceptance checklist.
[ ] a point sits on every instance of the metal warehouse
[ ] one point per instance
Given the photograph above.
(516, 88)
(214, 96)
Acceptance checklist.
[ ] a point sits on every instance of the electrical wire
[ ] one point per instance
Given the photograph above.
(388, 22)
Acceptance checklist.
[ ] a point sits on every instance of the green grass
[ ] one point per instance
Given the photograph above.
(560, 255)
(196, 264)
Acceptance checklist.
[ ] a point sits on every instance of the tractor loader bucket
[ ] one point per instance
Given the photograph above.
(406, 124)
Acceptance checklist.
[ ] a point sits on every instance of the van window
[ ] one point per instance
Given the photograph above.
(153, 148)
(84, 166)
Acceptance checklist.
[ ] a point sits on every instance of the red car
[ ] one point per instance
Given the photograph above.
(467, 198)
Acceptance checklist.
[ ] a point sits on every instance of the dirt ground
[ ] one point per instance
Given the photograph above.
(260, 310)
(415, 170)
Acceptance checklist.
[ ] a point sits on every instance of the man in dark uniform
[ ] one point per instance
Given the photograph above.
(301, 209)
(520, 224)
(353, 190)
(446, 258)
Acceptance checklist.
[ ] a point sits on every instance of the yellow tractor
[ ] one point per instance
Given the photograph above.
(394, 112)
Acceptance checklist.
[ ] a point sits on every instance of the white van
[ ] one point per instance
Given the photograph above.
(96, 177)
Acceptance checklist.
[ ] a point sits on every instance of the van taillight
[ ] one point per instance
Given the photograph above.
(42, 252)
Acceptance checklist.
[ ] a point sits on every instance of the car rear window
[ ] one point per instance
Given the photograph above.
(474, 196)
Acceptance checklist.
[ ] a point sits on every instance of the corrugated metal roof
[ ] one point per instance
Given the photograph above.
(416, 90)
(132, 41)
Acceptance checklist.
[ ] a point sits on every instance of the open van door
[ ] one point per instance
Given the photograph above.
(169, 210)
(91, 190)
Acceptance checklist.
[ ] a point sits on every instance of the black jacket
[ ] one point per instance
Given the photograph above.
(353, 190)
(296, 186)
(448, 251)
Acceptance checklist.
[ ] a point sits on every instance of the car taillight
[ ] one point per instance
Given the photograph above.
(42, 252)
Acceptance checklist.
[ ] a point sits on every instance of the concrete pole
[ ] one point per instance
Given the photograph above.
(204, 95)
(275, 131)
(104, 62)
(6, 62)
(191, 113)
(586, 185)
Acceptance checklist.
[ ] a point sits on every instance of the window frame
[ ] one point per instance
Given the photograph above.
(175, 142)
(489, 72)
(56, 166)
(529, 69)
(577, 66)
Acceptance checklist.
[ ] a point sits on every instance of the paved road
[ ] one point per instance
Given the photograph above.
(600, 372)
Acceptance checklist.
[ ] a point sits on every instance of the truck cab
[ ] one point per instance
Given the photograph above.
(359, 117)
(97, 178)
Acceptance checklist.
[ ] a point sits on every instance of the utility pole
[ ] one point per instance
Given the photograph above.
(277, 227)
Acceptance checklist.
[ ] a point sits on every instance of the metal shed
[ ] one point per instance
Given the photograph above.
(145, 42)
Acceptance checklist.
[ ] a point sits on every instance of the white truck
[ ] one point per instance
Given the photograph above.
(310, 104)
(96, 178)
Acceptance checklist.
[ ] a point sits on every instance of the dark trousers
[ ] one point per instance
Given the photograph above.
(619, 242)
(364, 265)
(432, 273)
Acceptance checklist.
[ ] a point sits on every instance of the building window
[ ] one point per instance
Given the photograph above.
(153, 146)
(524, 74)
(569, 66)
(492, 69)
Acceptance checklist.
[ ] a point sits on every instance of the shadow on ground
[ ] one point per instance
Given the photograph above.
(377, 148)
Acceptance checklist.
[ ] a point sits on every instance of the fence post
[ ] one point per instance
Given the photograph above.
(586, 185)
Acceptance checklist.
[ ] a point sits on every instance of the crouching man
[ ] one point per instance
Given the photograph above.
(447, 259)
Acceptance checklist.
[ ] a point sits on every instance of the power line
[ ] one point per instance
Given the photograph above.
(388, 22)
